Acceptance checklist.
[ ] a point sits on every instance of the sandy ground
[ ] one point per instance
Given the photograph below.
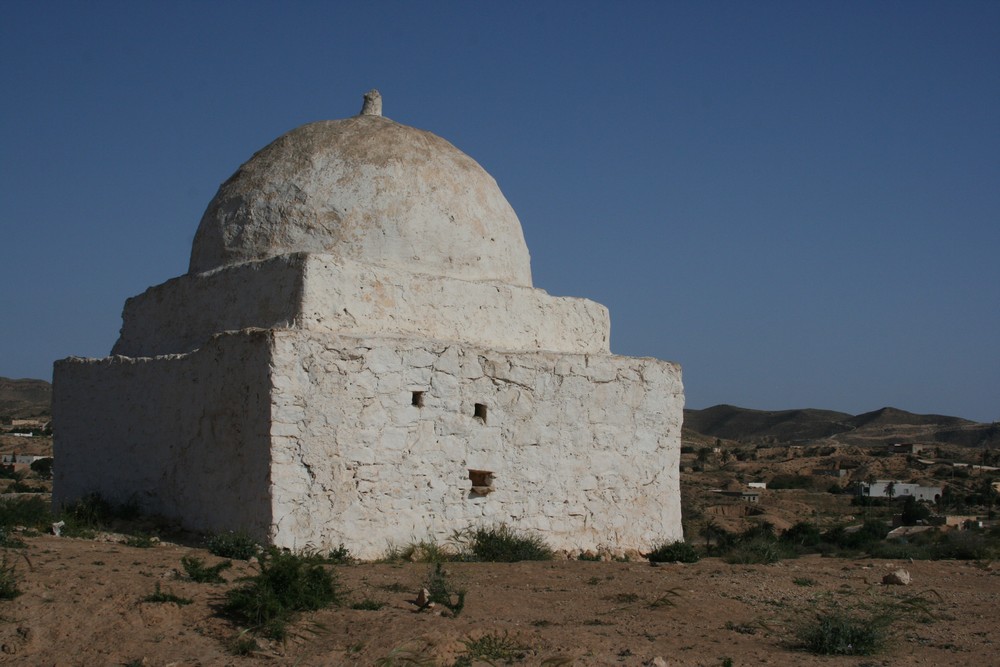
(81, 604)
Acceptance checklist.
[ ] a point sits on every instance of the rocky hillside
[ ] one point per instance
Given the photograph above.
(21, 399)
(880, 427)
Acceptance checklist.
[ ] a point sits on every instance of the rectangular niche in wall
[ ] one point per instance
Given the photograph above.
(417, 400)
(480, 412)
(482, 481)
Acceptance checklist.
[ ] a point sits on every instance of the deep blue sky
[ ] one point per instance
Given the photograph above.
(799, 202)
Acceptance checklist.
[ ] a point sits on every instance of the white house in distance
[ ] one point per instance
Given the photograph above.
(357, 355)
(880, 489)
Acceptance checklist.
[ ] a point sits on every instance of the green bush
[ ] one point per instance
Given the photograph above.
(340, 556)
(233, 544)
(30, 512)
(8, 581)
(43, 467)
(839, 633)
(914, 512)
(673, 552)
(502, 544)
(287, 583)
(755, 545)
(802, 534)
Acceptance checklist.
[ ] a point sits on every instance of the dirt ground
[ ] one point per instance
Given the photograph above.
(82, 604)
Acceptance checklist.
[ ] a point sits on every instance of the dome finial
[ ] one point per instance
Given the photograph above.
(373, 104)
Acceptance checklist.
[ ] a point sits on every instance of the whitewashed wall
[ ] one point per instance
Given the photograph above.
(330, 294)
(584, 447)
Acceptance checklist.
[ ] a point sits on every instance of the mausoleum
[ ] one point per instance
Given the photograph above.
(357, 355)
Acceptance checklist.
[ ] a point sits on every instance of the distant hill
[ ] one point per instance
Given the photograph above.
(883, 426)
(25, 398)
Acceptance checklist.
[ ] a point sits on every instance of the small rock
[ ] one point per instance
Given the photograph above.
(898, 578)
(57, 527)
(657, 662)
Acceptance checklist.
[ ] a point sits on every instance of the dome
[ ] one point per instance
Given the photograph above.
(369, 189)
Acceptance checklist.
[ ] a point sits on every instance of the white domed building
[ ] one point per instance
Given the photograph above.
(357, 355)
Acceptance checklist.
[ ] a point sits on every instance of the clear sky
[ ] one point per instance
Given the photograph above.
(797, 201)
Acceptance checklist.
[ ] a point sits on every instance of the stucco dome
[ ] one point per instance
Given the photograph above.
(369, 189)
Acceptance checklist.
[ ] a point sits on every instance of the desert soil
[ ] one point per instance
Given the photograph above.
(82, 604)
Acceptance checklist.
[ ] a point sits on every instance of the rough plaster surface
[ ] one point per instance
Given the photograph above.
(370, 189)
(584, 448)
(327, 293)
(313, 440)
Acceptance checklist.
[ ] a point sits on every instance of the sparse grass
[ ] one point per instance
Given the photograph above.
(757, 551)
(141, 541)
(95, 512)
(424, 551)
(804, 581)
(666, 600)
(395, 587)
(8, 540)
(500, 543)
(196, 570)
(673, 552)
(166, 596)
(441, 591)
(242, 644)
(233, 544)
(402, 656)
(368, 605)
(742, 628)
(491, 647)
(287, 584)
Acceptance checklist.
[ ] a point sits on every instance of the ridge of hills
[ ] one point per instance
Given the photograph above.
(25, 398)
(879, 427)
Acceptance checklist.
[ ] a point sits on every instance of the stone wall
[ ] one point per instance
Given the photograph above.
(186, 436)
(374, 438)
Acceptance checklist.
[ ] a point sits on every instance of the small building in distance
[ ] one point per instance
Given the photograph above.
(907, 448)
(887, 488)
(357, 355)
